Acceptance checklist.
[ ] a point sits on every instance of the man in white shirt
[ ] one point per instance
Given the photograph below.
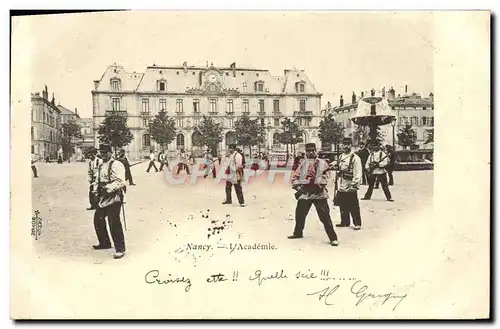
(235, 173)
(375, 166)
(110, 189)
(94, 164)
(350, 176)
(183, 158)
(152, 157)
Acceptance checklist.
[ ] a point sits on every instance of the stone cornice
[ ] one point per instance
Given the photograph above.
(231, 93)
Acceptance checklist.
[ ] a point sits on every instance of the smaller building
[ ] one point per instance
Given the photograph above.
(408, 108)
(45, 125)
(87, 132)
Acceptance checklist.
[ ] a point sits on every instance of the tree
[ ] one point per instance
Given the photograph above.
(114, 131)
(162, 129)
(430, 136)
(330, 131)
(249, 132)
(210, 133)
(407, 136)
(291, 134)
(70, 136)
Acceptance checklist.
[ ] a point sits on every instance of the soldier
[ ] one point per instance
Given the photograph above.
(363, 153)
(310, 180)
(392, 161)
(163, 160)
(235, 172)
(349, 169)
(124, 160)
(375, 166)
(94, 164)
(110, 189)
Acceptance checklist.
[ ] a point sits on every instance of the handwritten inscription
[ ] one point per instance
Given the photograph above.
(153, 277)
(261, 278)
(325, 293)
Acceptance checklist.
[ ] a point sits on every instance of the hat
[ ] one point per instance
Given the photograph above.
(310, 146)
(232, 146)
(105, 148)
(346, 140)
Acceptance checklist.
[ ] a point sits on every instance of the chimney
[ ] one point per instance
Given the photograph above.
(53, 100)
(392, 95)
(233, 67)
(353, 99)
(96, 84)
(76, 111)
(362, 94)
(185, 67)
(383, 91)
(341, 100)
(406, 89)
(431, 97)
(373, 92)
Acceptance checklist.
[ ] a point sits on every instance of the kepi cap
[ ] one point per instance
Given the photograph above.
(105, 148)
(310, 146)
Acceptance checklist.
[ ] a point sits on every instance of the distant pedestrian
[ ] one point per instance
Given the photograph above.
(33, 167)
(60, 156)
(152, 157)
(392, 163)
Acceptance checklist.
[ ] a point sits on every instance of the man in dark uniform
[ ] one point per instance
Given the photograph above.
(124, 160)
(110, 192)
(94, 164)
(349, 174)
(310, 180)
(392, 162)
(363, 153)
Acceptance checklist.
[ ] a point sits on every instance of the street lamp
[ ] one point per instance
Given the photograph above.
(393, 124)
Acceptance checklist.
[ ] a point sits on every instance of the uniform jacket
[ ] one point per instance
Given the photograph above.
(345, 184)
(378, 157)
(112, 185)
(235, 167)
(363, 155)
(312, 179)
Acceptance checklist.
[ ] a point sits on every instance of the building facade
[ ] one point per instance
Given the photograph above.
(87, 132)
(69, 116)
(407, 108)
(187, 93)
(45, 125)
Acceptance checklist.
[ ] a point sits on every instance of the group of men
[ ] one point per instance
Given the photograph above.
(311, 177)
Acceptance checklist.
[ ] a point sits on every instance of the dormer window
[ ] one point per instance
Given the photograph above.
(115, 84)
(300, 86)
(161, 85)
(259, 86)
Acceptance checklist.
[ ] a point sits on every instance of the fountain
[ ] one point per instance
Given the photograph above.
(373, 111)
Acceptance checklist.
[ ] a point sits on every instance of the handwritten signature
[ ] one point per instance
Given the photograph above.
(361, 293)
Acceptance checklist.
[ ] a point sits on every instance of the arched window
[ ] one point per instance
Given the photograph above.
(230, 138)
(146, 140)
(180, 141)
(196, 139)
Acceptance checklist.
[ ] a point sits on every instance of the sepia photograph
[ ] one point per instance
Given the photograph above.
(250, 165)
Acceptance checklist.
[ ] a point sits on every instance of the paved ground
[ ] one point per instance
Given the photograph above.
(154, 206)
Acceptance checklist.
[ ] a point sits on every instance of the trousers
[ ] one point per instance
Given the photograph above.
(237, 188)
(382, 178)
(151, 164)
(33, 168)
(323, 210)
(92, 199)
(182, 166)
(115, 225)
(349, 207)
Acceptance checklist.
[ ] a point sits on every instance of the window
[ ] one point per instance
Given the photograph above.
(145, 122)
(276, 122)
(299, 121)
(115, 84)
(302, 105)
(146, 140)
(229, 105)
(213, 104)
(163, 104)
(432, 121)
(180, 123)
(196, 121)
(261, 105)
(32, 133)
(424, 121)
(230, 122)
(44, 117)
(161, 86)
(145, 105)
(32, 149)
(301, 87)
(308, 121)
(276, 105)
(246, 108)
(424, 108)
(260, 87)
(115, 104)
(196, 105)
(180, 141)
(179, 105)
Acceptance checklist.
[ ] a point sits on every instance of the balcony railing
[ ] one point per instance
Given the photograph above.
(261, 113)
(196, 114)
(245, 113)
(229, 112)
(145, 113)
(179, 113)
(303, 113)
(213, 113)
(277, 113)
(121, 113)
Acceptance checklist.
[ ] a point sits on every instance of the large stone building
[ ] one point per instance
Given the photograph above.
(407, 108)
(188, 92)
(45, 125)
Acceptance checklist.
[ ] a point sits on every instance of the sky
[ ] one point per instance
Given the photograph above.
(341, 52)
